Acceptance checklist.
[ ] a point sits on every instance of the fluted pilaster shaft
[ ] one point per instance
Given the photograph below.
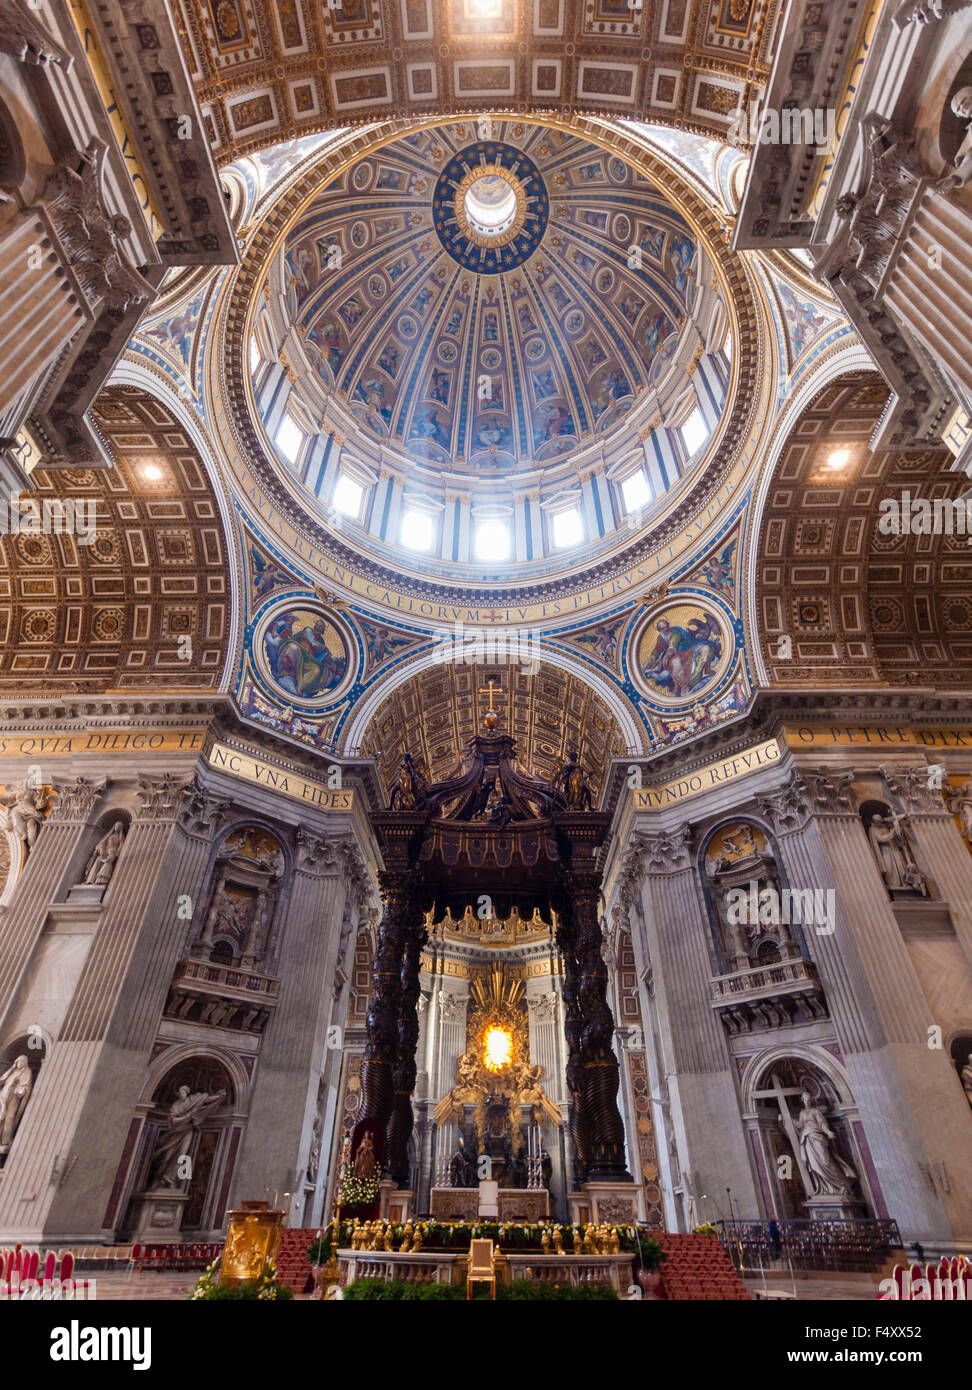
(283, 1102)
(931, 1124)
(47, 863)
(89, 1083)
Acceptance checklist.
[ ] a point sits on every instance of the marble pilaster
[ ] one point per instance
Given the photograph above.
(918, 1117)
(695, 1061)
(284, 1094)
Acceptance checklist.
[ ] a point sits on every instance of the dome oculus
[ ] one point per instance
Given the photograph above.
(490, 207)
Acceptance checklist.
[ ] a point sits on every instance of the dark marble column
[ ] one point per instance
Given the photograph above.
(381, 1050)
(599, 1069)
(401, 1122)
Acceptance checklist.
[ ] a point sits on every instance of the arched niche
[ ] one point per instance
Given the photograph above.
(893, 852)
(238, 923)
(193, 1174)
(754, 917)
(960, 1051)
(806, 1138)
(98, 854)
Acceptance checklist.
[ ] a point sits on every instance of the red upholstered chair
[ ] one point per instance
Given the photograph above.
(67, 1265)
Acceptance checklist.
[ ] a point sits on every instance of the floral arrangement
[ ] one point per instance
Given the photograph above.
(358, 1192)
(264, 1289)
(320, 1250)
(704, 1230)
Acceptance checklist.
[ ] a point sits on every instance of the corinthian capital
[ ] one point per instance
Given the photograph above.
(916, 789)
(319, 854)
(828, 792)
(160, 797)
(24, 38)
(76, 797)
(788, 808)
(666, 852)
(201, 812)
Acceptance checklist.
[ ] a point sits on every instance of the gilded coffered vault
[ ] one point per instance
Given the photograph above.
(141, 600)
(841, 600)
(266, 73)
(549, 713)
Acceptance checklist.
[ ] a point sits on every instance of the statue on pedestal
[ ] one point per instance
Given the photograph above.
(572, 782)
(898, 868)
(185, 1114)
(364, 1158)
(460, 1167)
(828, 1172)
(101, 865)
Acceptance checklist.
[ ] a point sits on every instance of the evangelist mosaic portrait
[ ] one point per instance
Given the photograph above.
(304, 654)
(682, 651)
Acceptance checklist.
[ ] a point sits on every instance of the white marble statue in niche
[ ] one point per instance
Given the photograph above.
(104, 856)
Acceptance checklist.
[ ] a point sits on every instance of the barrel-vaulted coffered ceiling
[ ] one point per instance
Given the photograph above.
(140, 597)
(549, 712)
(271, 70)
(839, 600)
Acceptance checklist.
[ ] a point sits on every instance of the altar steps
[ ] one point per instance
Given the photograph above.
(698, 1268)
(293, 1266)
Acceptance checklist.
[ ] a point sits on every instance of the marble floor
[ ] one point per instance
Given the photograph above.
(836, 1286)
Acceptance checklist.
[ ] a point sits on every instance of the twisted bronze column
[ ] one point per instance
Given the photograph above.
(598, 1065)
(381, 1051)
(573, 1026)
(402, 1121)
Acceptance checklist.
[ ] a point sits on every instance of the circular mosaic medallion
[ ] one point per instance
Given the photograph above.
(490, 207)
(681, 652)
(448, 352)
(622, 227)
(303, 653)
